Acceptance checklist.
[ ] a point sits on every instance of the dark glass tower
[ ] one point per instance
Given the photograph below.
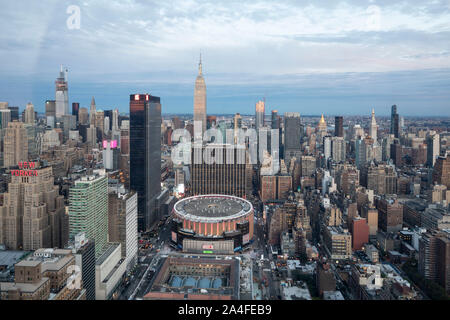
(109, 114)
(75, 109)
(145, 155)
(339, 127)
(293, 131)
(395, 122)
(14, 113)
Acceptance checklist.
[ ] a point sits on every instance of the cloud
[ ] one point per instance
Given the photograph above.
(261, 41)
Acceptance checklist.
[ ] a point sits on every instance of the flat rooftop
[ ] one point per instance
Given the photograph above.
(10, 258)
(196, 276)
(213, 206)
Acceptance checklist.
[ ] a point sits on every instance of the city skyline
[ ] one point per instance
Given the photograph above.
(342, 58)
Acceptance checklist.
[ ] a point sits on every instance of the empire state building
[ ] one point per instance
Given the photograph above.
(200, 98)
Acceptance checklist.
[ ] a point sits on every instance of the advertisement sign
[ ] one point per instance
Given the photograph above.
(174, 236)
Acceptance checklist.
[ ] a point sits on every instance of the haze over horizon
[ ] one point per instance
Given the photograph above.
(343, 57)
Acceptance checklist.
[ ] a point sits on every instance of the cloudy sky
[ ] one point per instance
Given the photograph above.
(335, 57)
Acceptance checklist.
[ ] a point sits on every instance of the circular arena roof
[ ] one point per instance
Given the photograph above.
(212, 208)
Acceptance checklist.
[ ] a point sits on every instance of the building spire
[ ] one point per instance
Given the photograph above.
(200, 68)
(322, 120)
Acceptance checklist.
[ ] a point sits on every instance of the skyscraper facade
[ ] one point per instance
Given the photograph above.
(260, 110)
(292, 136)
(395, 122)
(75, 109)
(339, 126)
(62, 94)
(229, 173)
(200, 97)
(32, 212)
(145, 155)
(29, 114)
(15, 144)
(433, 149)
(338, 149)
(92, 113)
(88, 209)
(373, 130)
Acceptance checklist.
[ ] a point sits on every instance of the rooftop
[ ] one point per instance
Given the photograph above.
(213, 206)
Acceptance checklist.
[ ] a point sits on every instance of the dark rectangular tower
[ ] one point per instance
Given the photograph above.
(339, 127)
(145, 155)
(75, 109)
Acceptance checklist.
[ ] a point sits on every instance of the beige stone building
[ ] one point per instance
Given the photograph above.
(15, 144)
(32, 214)
(44, 276)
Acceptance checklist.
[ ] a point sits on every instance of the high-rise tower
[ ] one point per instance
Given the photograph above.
(88, 209)
(62, 94)
(93, 113)
(395, 122)
(145, 155)
(373, 130)
(339, 126)
(260, 110)
(200, 97)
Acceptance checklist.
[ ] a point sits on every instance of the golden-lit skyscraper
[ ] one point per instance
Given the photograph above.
(200, 97)
(260, 110)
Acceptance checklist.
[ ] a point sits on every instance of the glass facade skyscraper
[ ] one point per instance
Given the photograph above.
(145, 155)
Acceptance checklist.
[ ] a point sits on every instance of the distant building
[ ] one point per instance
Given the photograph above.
(61, 94)
(390, 215)
(339, 126)
(360, 233)
(441, 172)
(433, 149)
(200, 97)
(338, 243)
(293, 131)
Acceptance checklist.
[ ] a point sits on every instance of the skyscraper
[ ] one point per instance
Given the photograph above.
(5, 118)
(260, 110)
(433, 149)
(200, 97)
(441, 171)
(92, 113)
(373, 130)
(292, 136)
(29, 113)
(62, 94)
(33, 212)
(88, 209)
(339, 126)
(75, 109)
(15, 144)
(145, 155)
(122, 223)
(229, 173)
(338, 149)
(395, 122)
(275, 120)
